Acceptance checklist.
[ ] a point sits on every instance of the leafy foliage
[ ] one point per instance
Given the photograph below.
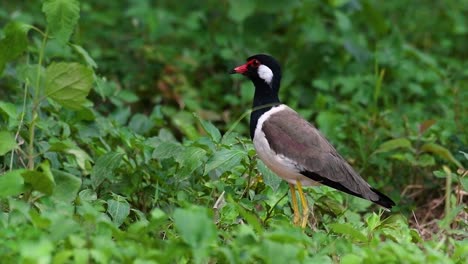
(123, 138)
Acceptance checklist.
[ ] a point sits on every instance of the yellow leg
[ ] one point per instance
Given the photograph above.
(294, 204)
(305, 206)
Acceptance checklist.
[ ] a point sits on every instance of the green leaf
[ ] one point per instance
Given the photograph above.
(9, 110)
(140, 123)
(351, 259)
(38, 251)
(166, 150)
(190, 159)
(41, 180)
(464, 183)
(68, 84)
(67, 146)
(67, 186)
(118, 209)
(197, 229)
(28, 73)
(348, 229)
(11, 183)
(104, 168)
(14, 43)
(450, 217)
(7, 142)
(228, 158)
(464, 154)
(373, 221)
(440, 174)
(393, 144)
(239, 10)
(88, 195)
(62, 16)
(248, 215)
(209, 128)
(185, 123)
(85, 55)
(441, 152)
(269, 177)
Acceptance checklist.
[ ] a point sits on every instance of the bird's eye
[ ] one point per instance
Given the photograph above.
(255, 63)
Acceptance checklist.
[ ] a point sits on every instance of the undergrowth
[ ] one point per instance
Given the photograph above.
(123, 139)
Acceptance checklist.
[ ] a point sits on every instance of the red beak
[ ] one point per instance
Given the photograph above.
(240, 69)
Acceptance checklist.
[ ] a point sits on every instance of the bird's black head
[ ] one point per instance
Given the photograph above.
(261, 69)
(265, 73)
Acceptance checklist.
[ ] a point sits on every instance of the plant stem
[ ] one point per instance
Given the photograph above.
(36, 103)
(23, 113)
(448, 190)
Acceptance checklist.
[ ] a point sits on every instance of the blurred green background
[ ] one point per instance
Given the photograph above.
(385, 81)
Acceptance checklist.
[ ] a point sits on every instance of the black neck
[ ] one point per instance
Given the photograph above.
(265, 98)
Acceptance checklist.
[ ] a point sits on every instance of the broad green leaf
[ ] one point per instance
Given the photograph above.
(464, 154)
(329, 122)
(14, 43)
(157, 214)
(81, 255)
(7, 142)
(88, 195)
(269, 177)
(248, 215)
(343, 21)
(225, 159)
(166, 150)
(38, 251)
(441, 152)
(140, 123)
(184, 121)
(239, 10)
(440, 174)
(348, 229)
(118, 209)
(68, 84)
(351, 259)
(393, 220)
(104, 168)
(41, 180)
(10, 112)
(209, 128)
(62, 16)
(332, 205)
(70, 147)
(11, 183)
(393, 144)
(85, 55)
(67, 186)
(197, 229)
(27, 73)
(278, 252)
(373, 221)
(190, 159)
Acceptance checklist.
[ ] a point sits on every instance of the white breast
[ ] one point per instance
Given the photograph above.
(279, 164)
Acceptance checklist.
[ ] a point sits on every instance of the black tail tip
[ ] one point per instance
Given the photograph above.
(384, 200)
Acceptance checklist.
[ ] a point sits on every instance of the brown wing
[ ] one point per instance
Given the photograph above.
(290, 135)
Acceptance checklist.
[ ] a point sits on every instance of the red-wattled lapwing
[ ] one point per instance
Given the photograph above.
(292, 147)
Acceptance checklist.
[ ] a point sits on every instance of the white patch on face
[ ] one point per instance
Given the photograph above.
(265, 73)
(282, 166)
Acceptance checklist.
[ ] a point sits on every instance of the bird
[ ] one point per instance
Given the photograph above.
(293, 148)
